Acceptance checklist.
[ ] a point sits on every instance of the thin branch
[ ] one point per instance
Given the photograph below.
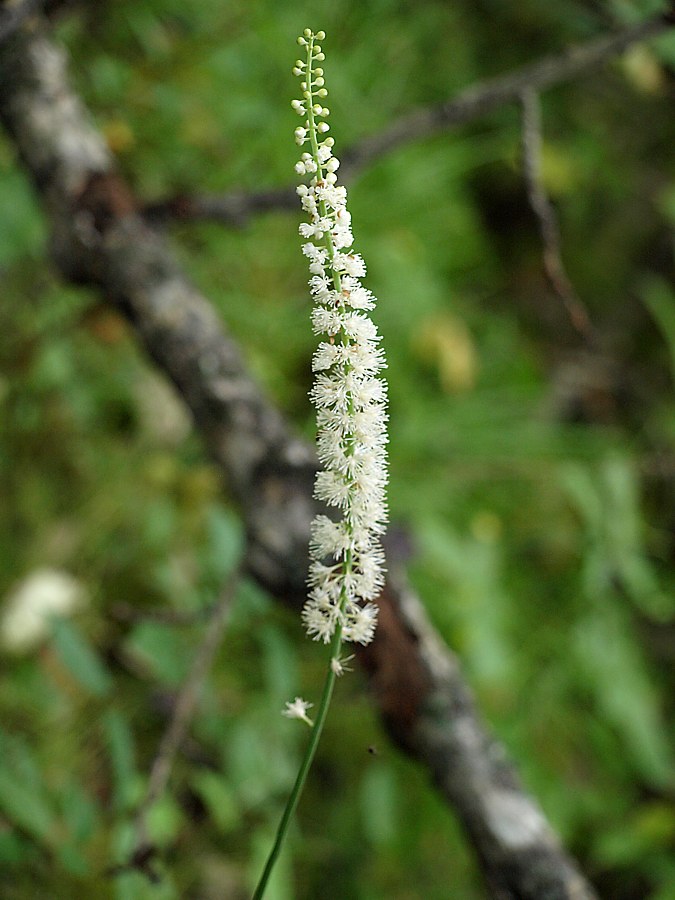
(546, 218)
(236, 208)
(481, 99)
(99, 239)
(182, 713)
(233, 209)
(127, 612)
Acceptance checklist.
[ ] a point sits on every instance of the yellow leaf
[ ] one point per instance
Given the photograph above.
(443, 341)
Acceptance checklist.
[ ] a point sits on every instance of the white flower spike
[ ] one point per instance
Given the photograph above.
(347, 561)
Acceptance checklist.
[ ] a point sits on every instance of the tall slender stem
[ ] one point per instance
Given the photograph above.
(305, 765)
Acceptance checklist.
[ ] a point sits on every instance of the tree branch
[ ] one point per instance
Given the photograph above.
(236, 208)
(179, 722)
(546, 219)
(99, 239)
(13, 16)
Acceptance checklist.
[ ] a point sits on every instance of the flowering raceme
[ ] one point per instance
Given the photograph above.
(347, 561)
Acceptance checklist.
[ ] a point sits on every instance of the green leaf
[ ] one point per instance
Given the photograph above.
(379, 804)
(78, 656)
(617, 676)
(226, 542)
(14, 849)
(79, 810)
(218, 799)
(24, 805)
(166, 651)
(278, 664)
(650, 828)
(21, 226)
(120, 743)
(72, 860)
(165, 818)
(659, 298)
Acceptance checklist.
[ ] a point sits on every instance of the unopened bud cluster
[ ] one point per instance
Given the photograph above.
(347, 561)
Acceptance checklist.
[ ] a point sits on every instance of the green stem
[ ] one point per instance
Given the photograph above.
(305, 765)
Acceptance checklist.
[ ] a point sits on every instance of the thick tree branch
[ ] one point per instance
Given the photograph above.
(12, 15)
(236, 208)
(99, 239)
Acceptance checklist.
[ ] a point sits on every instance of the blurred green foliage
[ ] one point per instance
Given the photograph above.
(536, 480)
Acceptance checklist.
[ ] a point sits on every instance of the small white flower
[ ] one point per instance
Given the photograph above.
(315, 254)
(325, 356)
(326, 321)
(372, 391)
(324, 152)
(329, 538)
(339, 666)
(365, 359)
(320, 625)
(350, 263)
(366, 585)
(333, 195)
(362, 627)
(356, 295)
(333, 488)
(308, 202)
(342, 238)
(312, 229)
(29, 608)
(322, 289)
(359, 327)
(331, 389)
(298, 710)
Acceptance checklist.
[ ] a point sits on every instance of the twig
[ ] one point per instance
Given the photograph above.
(127, 612)
(546, 218)
(480, 99)
(184, 706)
(234, 209)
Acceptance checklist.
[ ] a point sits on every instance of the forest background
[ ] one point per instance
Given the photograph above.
(532, 460)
